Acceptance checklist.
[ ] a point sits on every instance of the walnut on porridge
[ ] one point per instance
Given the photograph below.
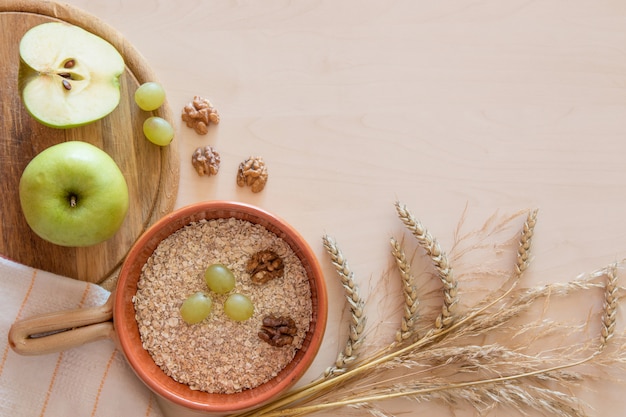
(264, 266)
(278, 331)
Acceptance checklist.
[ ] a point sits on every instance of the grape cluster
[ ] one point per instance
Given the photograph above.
(220, 280)
(150, 96)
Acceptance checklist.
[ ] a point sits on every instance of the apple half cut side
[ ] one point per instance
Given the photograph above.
(73, 194)
(68, 77)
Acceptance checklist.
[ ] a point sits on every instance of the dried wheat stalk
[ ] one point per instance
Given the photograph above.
(356, 336)
(610, 307)
(523, 251)
(409, 291)
(440, 261)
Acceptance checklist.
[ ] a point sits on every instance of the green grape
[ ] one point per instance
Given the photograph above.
(219, 278)
(238, 307)
(196, 307)
(158, 131)
(149, 96)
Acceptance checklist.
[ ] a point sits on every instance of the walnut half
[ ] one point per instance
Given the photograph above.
(206, 161)
(253, 173)
(199, 114)
(264, 266)
(278, 331)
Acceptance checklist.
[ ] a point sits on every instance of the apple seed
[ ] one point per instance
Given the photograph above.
(67, 84)
(69, 64)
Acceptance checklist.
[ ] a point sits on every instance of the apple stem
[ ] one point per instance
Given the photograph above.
(72, 200)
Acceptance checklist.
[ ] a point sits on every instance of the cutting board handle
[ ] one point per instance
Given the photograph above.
(55, 332)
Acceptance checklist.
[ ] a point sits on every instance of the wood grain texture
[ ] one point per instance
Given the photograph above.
(151, 172)
(456, 107)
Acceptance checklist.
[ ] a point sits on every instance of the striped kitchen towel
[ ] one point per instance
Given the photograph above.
(92, 380)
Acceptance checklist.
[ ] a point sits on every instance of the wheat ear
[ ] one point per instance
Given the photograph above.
(350, 352)
(409, 291)
(441, 263)
(610, 307)
(523, 249)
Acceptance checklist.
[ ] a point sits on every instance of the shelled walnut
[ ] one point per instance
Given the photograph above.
(264, 266)
(278, 331)
(253, 173)
(199, 114)
(206, 160)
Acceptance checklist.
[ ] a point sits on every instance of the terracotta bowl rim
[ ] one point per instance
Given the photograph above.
(140, 360)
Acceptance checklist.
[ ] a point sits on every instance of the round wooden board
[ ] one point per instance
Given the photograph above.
(152, 172)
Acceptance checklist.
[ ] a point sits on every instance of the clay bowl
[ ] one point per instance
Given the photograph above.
(95, 323)
(128, 333)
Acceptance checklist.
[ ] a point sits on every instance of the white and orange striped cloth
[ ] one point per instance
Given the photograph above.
(93, 380)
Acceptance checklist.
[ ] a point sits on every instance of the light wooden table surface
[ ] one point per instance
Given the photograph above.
(452, 107)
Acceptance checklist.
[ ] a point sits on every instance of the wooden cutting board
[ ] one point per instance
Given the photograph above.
(152, 172)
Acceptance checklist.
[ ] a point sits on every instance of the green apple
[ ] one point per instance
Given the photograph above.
(73, 194)
(68, 77)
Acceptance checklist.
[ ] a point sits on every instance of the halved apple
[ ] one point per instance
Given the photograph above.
(68, 76)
